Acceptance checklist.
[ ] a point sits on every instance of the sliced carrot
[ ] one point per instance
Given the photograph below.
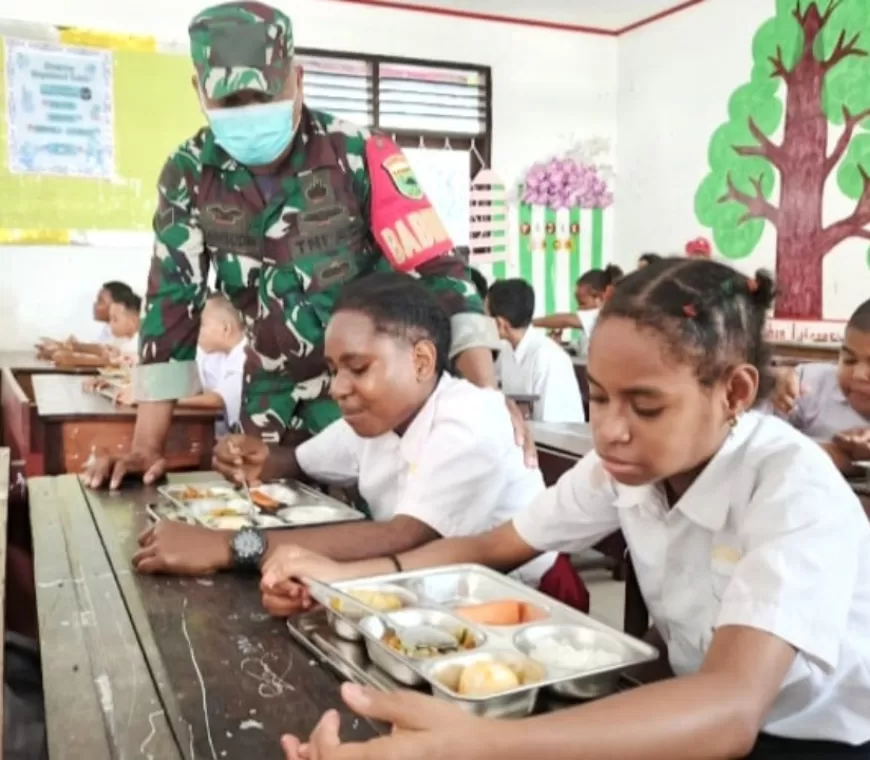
(264, 500)
(503, 612)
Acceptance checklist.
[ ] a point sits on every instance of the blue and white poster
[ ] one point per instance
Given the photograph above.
(445, 176)
(59, 110)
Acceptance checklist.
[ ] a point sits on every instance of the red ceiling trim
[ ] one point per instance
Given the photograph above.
(531, 22)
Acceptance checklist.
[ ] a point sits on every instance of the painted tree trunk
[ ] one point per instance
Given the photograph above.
(802, 188)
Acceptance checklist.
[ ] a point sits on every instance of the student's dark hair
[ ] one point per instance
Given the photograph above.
(707, 312)
(860, 319)
(117, 290)
(513, 300)
(649, 258)
(479, 281)
(598, 280)
(401, 306)
(129, 300)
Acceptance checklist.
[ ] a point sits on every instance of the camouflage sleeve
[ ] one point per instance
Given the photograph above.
(413, 239)
(177, 285)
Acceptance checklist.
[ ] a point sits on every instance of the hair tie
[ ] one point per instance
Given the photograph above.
(728, 287)
(690, 311)
(752, 285)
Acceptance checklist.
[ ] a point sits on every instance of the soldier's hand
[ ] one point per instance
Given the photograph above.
(240, 458)
(105, 469)
(522, 436)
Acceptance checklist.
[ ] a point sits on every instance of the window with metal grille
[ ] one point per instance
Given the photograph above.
(431, 99)
(339, 85)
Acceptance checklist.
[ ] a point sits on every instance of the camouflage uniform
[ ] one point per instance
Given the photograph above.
(281, 261)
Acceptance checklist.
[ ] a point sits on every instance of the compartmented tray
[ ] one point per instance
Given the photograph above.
(278, 505)
(546, 649)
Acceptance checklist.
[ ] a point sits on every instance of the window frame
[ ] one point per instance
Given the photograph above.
(410, 138)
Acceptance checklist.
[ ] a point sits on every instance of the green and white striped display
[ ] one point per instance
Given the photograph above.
(550, 249)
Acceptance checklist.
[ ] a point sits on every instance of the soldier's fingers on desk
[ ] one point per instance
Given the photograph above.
(281, 606)
(154, 472)
(144, 555)
(294, 749)
(147, 536)
(98, 472)
(325, 740)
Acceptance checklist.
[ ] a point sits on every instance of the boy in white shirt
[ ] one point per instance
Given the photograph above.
(124, 316)
(220, 359)
(433, 455)
(532, 364)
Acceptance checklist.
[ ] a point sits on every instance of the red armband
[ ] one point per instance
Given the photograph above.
(403, 222)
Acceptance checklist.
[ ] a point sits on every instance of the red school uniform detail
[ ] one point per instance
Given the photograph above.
(562, 583)
(403, 221)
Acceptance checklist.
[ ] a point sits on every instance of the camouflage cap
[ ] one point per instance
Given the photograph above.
(241, 46)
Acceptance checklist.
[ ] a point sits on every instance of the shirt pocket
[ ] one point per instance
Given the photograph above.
(724, 559)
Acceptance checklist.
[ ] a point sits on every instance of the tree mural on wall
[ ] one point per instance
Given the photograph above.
(811, 69)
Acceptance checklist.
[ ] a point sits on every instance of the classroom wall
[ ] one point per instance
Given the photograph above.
(676, 79)
(550, 90)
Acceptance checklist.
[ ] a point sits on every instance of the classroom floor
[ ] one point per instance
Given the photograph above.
(607, 597)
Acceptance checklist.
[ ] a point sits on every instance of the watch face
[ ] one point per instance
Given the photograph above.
(248, 545)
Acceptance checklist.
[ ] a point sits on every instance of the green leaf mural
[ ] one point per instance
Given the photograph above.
(811, 69)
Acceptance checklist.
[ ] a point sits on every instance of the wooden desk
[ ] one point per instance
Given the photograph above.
(560, 445)
(4, 493)
(525, 401)
(27, 362)
(160, 667)
(75, 422)
(790, 353)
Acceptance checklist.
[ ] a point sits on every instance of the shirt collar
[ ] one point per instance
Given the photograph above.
(412, 441)
(708, 500)
(529, 339)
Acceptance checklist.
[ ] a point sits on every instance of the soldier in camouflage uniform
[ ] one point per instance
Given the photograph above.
(285, 205)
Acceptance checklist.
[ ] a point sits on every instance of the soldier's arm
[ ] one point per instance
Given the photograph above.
(175, 297)
(413, 239)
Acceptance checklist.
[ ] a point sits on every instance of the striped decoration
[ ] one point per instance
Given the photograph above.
(489, 221)
(559, 247)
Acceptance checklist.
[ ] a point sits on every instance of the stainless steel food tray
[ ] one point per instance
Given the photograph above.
(301, 506)
(447, 588)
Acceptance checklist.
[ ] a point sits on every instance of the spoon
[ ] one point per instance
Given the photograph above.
(411, 637)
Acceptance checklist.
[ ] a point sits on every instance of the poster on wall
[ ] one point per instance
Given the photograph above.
(59, 116)
(445, 176)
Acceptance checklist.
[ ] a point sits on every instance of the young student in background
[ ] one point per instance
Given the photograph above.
(751, 550)
(433, 454)
(124, 316)
(831, 402)
(590, 291)
(220, 359)
(532, 364)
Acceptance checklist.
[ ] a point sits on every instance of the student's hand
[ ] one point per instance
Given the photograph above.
(109, 469)
(294, 563)
(522, 435)
(423, 727)
(285, 598)
(240, 458)
(176, 548)
(787, 391)
(90, 384)
(855, 443)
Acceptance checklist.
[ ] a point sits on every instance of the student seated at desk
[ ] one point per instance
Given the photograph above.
(109, 293)
(124, 316)
(831, 402)
(532, 363)
(591, 290)
(220, 359)
(752, 553)
(433, 455)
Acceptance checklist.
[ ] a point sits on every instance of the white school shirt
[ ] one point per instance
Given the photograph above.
(769, 536)
(457, 468)
(822, 410)
(588, 318)
(103, 334)
(223, 373)
(539, 366)
(127, 346)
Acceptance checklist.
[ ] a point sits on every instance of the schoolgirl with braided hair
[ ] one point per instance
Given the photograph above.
(752, 552)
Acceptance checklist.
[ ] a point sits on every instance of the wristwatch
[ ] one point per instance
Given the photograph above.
(248, 546)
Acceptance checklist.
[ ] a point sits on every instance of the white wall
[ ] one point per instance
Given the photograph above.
(550, 89)
(675, 79)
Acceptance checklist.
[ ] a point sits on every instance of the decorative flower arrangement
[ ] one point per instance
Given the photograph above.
(566, 182)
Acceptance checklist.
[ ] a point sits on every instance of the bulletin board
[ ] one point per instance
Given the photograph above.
(155, 110)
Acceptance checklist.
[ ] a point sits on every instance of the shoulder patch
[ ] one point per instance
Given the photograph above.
(403, 177)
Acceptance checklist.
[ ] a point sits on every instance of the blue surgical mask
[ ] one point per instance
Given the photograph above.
(254, 135)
